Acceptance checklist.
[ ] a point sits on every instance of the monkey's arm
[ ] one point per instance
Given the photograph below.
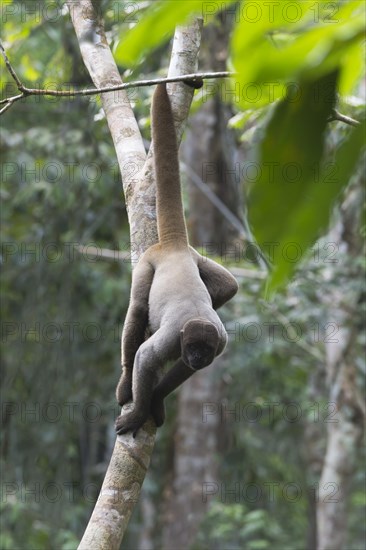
(220, 283)
(135, 325)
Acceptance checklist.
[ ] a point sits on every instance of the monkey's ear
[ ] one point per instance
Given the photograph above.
(195, 83)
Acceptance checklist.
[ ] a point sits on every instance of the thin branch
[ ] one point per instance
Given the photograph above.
(104, 253)
(343, 118)
(119, 256)
(9, 104)
(285, 322)
(25, 91)
(9, 101)
(216, 201)
(10, 67)
(243, 273)
(126, 85)
(242, 228)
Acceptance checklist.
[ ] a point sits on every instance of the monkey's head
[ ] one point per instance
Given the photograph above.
(199, 343)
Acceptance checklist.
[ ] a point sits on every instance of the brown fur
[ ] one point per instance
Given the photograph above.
(174, 294)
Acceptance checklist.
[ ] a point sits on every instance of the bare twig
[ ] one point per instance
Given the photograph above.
(9, 104)
(242, 228)
(9, 101)
(126, 85)
(343, 118)
(10, 68)
(104, 253)
(285, 322)
(118, 256)
(216, 201)
(243, 273)
(25, 91)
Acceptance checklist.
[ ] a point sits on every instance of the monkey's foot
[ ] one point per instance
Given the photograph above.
(129, 422)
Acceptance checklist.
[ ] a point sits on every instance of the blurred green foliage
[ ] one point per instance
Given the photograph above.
(63, 308)
(235, 526)
(295, 42)
(301, 54)
(157, 25)
(275, 410)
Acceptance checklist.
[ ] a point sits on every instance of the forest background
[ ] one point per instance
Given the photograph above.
(243, 460)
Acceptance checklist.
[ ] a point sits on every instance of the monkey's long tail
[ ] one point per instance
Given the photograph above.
(171, 224)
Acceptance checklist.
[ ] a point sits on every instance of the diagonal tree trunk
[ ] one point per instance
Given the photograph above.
(131, 457)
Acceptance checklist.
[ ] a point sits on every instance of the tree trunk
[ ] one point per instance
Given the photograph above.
(210, 151)
(131, 456)
(344, 428)
(314, 447)
(195, 446)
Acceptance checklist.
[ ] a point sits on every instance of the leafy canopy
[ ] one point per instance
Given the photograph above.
(294, 57)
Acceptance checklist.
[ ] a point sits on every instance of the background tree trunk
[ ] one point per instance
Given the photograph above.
(344, 428)
(314, 446)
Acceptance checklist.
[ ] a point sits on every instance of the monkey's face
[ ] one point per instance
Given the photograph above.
(198, 355)
(199, 343)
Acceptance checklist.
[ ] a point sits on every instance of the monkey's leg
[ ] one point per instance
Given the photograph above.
(143, 380)
(149, 359)
(178, 374)
(132, 337)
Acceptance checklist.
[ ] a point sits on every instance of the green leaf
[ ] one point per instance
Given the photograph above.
(158, 23)
(291, 199)
(315, 46)
(289, 153)
(314, 213)
(353, 68)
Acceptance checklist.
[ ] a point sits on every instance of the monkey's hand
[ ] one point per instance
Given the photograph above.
(158, 409)
(130, 422)
(124, 388)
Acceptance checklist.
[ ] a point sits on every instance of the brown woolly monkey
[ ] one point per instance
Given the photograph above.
(174, 294)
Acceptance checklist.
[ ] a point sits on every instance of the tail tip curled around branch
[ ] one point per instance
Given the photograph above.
(195, 83)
